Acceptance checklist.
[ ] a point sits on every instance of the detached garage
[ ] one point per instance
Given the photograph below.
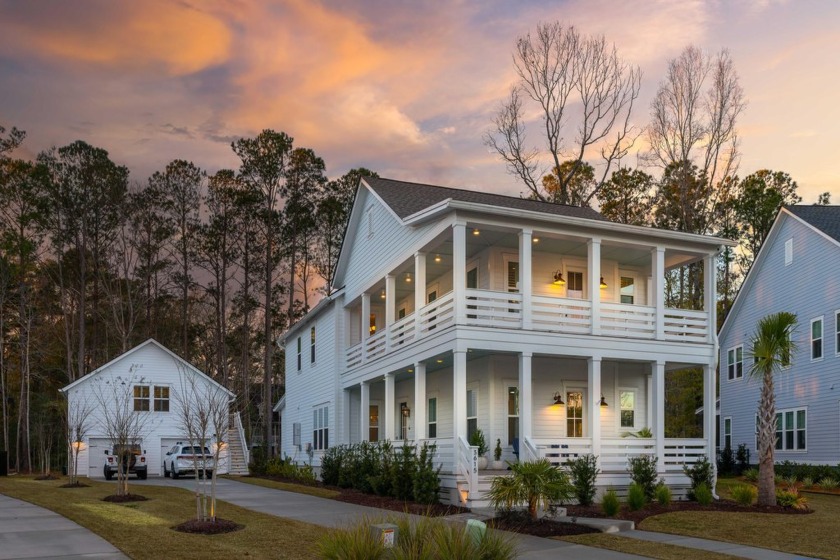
(157, 385)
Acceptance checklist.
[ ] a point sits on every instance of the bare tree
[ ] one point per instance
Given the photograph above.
(577, 81)
(79, 423)
(122, 424)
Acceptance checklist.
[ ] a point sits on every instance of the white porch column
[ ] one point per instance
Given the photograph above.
(390, 297)
(593, 407)
(525, 403)
(658, 258)
(526, 288)
(710, 296)
(420, 425)
(658, 371)
(649, 393)
(365, 316)
(389, 406)
(709, 416)
(594, 269)
(459, 270)
(459, 394)
(345, 413)
(364, 412)
(419, 289)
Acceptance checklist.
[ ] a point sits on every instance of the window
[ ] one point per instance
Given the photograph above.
(472, 284)
(627, 402)
(735, 363)
(404, 411)
(513, 414)
(298, 353)
(141, 398)
(574, 285)
(512, 276)
(321, 430)
(161, 399)
(432, 416)
(817, 338)
(472, 412)
(628, 289)
(790, 430)
(574, 414)
(372, 324)
(727, 433)
(788, 251)
(370, 222)
(373, 426)
(401, 313)
(312, 345)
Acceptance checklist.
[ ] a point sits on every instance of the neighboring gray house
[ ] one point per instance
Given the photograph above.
(796, 270)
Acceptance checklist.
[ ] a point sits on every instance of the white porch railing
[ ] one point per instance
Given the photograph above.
(561, 314)
(493, 309)
(467, 465)
(237, 421)
(682, 452)
(616, 451)
(437, 314)
(559, 451)
(686, 325)
(375, 345)
(620, 319)
(401, 332)
(354, 355)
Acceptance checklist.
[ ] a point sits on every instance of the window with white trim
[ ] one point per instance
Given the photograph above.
(727, 433)
(472, 412)
(574, 284)
(298, 353)
(735, 363)
(627, 405)
(320, 428)
(788, 251)
(513, 414)
(141, 398)
(790, 430)
(312, 345)
(431, 415)
(817, 338)
(161, 403)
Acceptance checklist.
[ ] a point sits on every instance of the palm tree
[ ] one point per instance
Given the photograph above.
(533, 483)
(772, 348)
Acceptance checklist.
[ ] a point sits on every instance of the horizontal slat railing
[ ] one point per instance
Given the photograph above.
(635, 321)
(561, 451)
(683, 452)
(686, 325)
(354, 355)
(493, 309)
(375, 345)
(561, 314)
(401, 332)
(616, 451)
(437, 314)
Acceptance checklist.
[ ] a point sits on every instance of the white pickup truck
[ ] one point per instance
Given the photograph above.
(184, 458)
(133, 461)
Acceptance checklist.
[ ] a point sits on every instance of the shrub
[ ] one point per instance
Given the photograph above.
(497, 452)
(402, 472)
(790, 482)
(744, 494)
(285, 468)
(791, 498)
(636, 498)
(663, 494)
(477, 440)
(751, 474)
(703, 494)
(726, 462)
(332, 463)
(642, 471)
(259, 459)
(427, 478)
(829, 483)
(807, 482)
(699, 473)
(742, 457)
(533, 483)
(584, 471)
(610, 503)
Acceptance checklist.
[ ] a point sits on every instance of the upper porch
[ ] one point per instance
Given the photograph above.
(523, 279)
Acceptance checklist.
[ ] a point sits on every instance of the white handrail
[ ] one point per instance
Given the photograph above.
(468, 465)
(237, 421)
(532, 453)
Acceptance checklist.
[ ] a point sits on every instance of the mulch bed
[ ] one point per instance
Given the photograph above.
(208, 527)
(656, 509)
(114, 499)
(520, 522)
(75, 485)
(383, 502)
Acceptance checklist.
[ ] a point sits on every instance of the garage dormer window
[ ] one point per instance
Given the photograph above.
(161, 399)
(141, 398)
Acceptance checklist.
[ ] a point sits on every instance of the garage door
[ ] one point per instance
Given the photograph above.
(96, 456)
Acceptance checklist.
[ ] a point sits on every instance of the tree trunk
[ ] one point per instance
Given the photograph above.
(767, 437)
(269, 346)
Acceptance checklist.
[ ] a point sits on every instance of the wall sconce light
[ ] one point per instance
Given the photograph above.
(437, 258)
(405, 411)
(535, 240)
(558, 398)
(476, 232)
(382, 294)
(603, 284)
(603, 401)
(558, 278)
(408, 277)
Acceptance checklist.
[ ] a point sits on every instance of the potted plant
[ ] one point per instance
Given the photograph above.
(477, 440)
(498, 464)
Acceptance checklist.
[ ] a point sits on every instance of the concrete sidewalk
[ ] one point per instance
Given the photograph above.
(30, 531)
(739, 550)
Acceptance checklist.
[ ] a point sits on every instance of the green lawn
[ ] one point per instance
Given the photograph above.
(143, 529)
(316, 491)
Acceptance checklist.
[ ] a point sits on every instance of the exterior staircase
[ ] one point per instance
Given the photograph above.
(238, 458)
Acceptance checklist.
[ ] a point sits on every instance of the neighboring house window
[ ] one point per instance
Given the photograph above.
(312, 345)
(790, 430)
(298, 353)
(735, 363)
(141, 398)
(627, 401)
(321, 431)
(432, 416)
(472, 412)
(817, 338)
(161, 399)
(513, 414)
(727, 433)
(788, 251)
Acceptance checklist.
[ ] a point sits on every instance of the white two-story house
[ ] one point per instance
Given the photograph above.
(543, 325)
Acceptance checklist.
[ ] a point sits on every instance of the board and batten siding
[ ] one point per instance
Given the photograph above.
(808, 286)
(149, 365)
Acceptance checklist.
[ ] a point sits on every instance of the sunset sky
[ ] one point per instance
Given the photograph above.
(404, 88)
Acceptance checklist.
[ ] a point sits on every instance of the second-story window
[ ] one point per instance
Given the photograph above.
(735, 363)
(298, 353)
(817, 338)
(312, 345)
(141, 398)
(161, 399)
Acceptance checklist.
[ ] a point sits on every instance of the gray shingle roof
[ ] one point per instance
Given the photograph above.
(824, 218)
(406, 199)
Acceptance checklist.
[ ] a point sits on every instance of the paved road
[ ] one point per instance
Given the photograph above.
(30, 531)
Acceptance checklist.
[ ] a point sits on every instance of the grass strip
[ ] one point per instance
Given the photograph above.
(143, 529)
(629, 545)
(287, 486)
